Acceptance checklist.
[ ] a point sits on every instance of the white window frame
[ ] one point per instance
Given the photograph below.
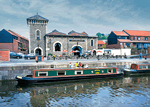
(58, 71)
(78, 71)
(111, 71)
(42, 73)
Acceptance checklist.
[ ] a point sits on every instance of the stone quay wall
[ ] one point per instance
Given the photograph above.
(10, 72)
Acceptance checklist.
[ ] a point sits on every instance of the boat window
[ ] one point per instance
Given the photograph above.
(110, 70)
(140, 66)
(61, 73)
(145, 67)
(78, 72)
(42, 73)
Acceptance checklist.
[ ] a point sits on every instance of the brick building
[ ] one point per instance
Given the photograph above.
(100, 44)
(57, 42)
(13, 41)
(128, 38)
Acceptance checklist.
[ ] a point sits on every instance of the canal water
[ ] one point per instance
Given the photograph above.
(124, 92)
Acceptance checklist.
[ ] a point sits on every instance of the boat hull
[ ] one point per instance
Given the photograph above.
(130, 72)
(30, 80)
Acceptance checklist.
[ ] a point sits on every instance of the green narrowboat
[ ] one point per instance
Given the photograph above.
(50, 75)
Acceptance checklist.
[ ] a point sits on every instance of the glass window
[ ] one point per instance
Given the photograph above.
(133, 38)
(146, 38)
(91, 42)
(138, 38)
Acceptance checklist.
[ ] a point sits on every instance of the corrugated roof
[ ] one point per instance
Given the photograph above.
(124, 40)
(37, 17)
(55, 32)
(120, 33)
(100, 42)
(137, 32)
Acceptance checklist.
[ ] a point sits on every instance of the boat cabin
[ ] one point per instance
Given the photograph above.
(73, 72)
(140, 66)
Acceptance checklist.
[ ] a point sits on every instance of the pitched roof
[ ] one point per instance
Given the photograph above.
(124, 40)
(15, 34)
(120, 33)
(73, 33)
(55, 32)
(137, 32)
(37, 17)
(100, 42)
(84, 33)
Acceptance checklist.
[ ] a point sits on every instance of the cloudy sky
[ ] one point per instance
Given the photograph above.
(91, 16)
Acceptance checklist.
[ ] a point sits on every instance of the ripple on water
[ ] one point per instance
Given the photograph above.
(96, 93)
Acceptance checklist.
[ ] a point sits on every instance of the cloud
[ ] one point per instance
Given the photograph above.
(91, 16)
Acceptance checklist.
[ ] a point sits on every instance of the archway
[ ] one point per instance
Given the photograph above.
(77, 50)
(38, 51)
(57, 47)
(94, 52)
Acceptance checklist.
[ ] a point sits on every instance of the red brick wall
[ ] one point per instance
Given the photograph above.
(141, 37)
(15, 46)
(117, 46)
(4, 55)
(6, 46)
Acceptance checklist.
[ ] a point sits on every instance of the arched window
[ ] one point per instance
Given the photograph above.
(38, 33)
(57, 47)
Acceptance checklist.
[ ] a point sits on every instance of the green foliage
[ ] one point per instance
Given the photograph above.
(100, 37)
(104, 46)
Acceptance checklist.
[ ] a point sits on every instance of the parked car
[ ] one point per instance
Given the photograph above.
(30, 56)
(14, 55)
(21, 54)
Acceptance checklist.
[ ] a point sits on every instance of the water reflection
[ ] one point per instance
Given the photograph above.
(98, 93)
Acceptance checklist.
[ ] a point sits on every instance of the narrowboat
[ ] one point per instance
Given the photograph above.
(137, 69)
(44, 75)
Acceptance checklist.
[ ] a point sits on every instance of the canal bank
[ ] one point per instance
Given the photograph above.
(8, 71)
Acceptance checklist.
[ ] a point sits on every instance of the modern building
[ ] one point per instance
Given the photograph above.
(56, 42)
(128, 38)
(13, 41)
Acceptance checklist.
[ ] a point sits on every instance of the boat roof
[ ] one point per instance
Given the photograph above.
(71, 69)
(141, 63)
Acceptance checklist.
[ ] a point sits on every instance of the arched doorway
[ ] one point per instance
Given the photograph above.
(94, 52)
(38, 51)
(57, 47)
(77, 50)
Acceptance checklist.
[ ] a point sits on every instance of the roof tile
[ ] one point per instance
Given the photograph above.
(120, 33)
(100, 42)
(137, 32)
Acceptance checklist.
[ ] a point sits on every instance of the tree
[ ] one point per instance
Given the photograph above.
(104, 46)
(99, 36)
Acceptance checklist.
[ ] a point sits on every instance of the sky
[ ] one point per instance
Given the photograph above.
(91, 16)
